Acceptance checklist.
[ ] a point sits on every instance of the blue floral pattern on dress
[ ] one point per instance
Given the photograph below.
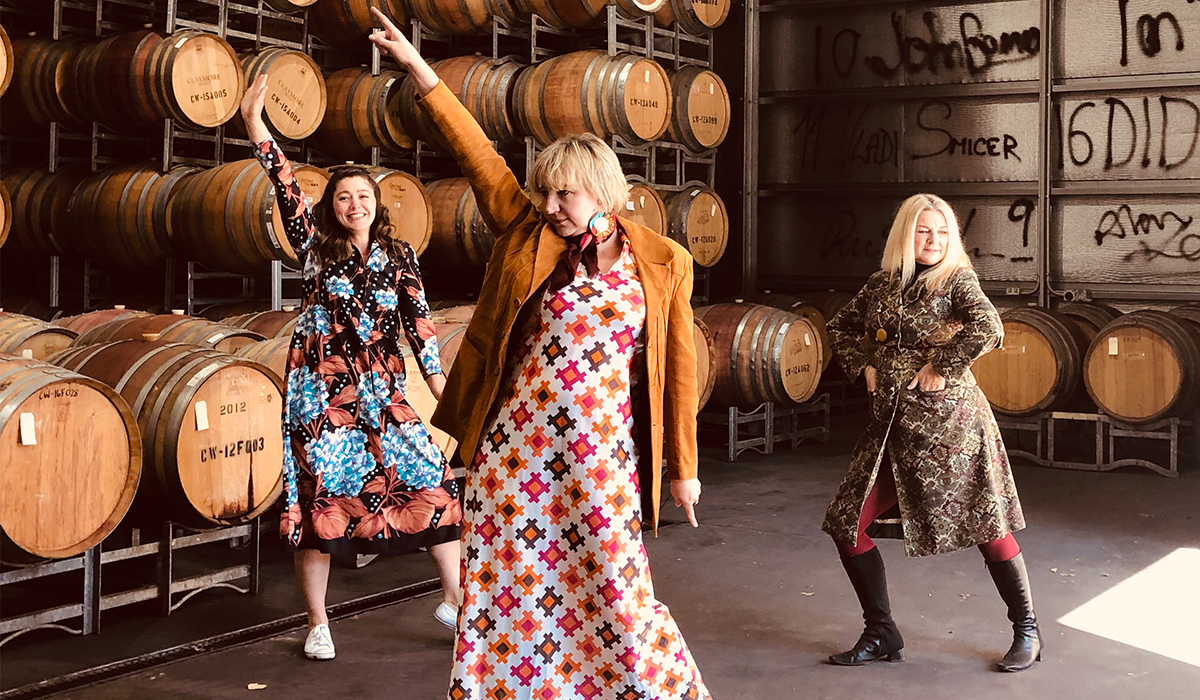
(307, 396)
(314, 319)
(378, 259)
(386, 299)
(430, 359)
(410, 450)
(340, 287)
(342, 461)
(372, 396)
(366, 324)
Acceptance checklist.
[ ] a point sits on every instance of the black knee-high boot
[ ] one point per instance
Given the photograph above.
(881, 638)
(1012, 581)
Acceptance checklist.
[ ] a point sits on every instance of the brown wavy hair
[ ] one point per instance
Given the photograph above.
(331, 243)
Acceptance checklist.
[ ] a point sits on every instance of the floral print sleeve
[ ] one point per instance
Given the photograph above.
(414, 314)
(847, 329)
(298, 222)
(981, 332)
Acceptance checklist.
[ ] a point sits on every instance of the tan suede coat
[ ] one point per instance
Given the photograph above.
(526, 252)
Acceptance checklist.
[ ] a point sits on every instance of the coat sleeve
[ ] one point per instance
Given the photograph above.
(681, 394)
(848, 328)
(414, 315)
(298, 222)
(502, 202)
(982, 329)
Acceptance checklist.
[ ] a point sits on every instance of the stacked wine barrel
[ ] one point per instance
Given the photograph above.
(761, 354)
(71, 453)
(210, 421)
(695, 217)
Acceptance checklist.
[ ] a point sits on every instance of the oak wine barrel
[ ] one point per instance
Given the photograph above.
(220, 312)
(646, 206)
(409, 206)
(6, 61)
(1089, 316)
(26, 336)
(829, 302)
(462, 17)
(362, 112)
(706, 375)
(1144, 366)
(699, 109)
(296, 96)
(460, 243)
(119, 216)
(272, 353)
(91, 319)
(1039, 367)
(195, 78)
(269, 324)
(341, 22)
(5, 214)
(113, 82)
(623, 95)
(172, 328)
(800, 307)
(71, 471)
(460, 313)
(696, 17)
(42, 84)
(697, 219)
(228, 218)
(580, 14)
(40, 203)
(762, 354)
(450, 339)
(481, 84)
(289, 7)
(210, 426)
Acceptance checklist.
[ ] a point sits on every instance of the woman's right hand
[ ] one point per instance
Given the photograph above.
(252, 109)
(869, 374)
(392, 41)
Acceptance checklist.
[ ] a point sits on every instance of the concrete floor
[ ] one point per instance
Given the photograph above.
(762, 600)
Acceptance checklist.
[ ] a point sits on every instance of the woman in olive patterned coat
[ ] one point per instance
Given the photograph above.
(932, 445)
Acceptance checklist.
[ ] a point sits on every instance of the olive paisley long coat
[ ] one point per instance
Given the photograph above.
(953, 480)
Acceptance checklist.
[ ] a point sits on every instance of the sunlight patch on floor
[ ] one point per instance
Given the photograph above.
(1156, 609)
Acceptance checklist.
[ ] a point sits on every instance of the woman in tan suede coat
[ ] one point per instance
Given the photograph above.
(576, 381)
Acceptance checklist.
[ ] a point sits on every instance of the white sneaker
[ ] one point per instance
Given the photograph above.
(319, 644)
(447, 614)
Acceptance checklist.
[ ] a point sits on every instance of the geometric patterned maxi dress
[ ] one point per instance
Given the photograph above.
(557, 597)
(361, 472)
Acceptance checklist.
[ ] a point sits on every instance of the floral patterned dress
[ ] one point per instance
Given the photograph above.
(362, 473)
(557, 600)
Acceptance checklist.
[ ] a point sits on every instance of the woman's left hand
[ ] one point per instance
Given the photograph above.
(686, 493)
(437, 384)
(928, 379)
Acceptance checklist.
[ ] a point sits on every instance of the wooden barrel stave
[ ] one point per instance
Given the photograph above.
(700, 109)
(171, 328)
(269, 324)
(21, 334)
(342, 22)
(362, 111)
(91, 319)
(460, 241)
(195, 79)
(1090, 317)
(698, 220)
(706, 377)
(697, 17)
(40, 204)
(6, 213)
(1144, 366)
(66, 493)
(208, 477)
(646, 206)
(6, 61)
(1040, 366)
(296, 94)
(409, 206)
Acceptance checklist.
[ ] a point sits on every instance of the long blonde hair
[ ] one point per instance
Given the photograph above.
(898, 256)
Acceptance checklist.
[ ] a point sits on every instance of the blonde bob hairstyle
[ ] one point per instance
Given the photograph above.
(899, 257)
(585, 162)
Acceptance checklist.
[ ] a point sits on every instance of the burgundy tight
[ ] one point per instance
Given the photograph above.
(883, 496)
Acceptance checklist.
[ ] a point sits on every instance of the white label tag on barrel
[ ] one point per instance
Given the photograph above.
(629, 206)
(27, 353)
(712, 88)
(389, 82)
(695, 192)
(201, 416)
(181, 42)
(642, 200)
(1112, 346)
(27, 433)
(274, 238)
(214, 337)
(713, 213)
(647, 78)
(807, 339)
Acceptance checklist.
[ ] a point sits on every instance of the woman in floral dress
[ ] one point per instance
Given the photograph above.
(932, 445)
(362, 474)
(578, 369)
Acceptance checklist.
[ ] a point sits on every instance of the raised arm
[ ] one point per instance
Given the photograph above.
(298, 222)
(501, 200)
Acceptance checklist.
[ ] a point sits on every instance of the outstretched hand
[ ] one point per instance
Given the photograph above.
(252, 109)
(393, 42)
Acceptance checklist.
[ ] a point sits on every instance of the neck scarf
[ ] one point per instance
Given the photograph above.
(582, 248)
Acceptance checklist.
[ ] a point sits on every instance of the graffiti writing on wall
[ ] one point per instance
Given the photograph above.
(1176, 242)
